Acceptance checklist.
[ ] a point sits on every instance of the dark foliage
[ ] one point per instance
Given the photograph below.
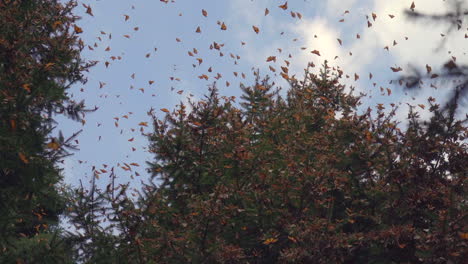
(39, 61)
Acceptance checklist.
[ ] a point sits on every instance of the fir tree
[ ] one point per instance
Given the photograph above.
(39, 61)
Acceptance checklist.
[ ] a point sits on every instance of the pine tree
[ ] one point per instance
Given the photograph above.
(39, 61)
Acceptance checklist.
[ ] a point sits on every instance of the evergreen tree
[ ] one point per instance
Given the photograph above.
(305, 180)
(39, 61)
(95, 242)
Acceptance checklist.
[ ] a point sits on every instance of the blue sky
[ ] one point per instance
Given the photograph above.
(152, 40)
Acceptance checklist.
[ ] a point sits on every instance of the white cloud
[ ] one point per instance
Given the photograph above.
(368, 54)
(318, 34)
(423, 37)
(368, 51)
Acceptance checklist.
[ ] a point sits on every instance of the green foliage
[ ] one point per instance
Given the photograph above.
(45, 247)
(94, 243)
(39, 61)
